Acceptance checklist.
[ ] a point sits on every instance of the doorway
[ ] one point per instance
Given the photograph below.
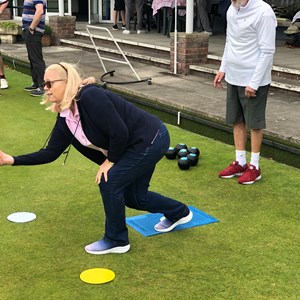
(80, 10)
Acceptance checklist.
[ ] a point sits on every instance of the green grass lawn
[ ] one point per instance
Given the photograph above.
(252, 253)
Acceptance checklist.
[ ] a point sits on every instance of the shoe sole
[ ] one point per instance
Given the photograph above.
(4, 88)
(37, 95)
(251, 182)
(231, 176)
(30, 90)
(121, 249)
(179, 222)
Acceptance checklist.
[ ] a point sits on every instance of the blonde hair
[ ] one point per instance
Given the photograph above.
(74, 83)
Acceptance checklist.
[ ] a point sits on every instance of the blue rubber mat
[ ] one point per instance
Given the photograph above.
(144, 224)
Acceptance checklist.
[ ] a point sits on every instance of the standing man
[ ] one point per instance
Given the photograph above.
(132, 6)
(3, 81)
(247, 64)
(33, 23)
(202, 19)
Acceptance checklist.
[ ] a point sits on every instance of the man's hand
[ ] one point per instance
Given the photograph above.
(218, 79)
(250, 92)
(6, 159)
(103, 170)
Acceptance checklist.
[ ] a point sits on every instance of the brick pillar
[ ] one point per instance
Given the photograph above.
(6, 15)
(62, 27)
(192, 48)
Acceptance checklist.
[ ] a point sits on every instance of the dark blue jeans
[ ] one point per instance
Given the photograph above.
(127, 185)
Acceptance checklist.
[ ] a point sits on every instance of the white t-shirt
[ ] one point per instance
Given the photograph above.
(250, 44)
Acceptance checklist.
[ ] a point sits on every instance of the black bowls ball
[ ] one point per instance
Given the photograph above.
(171, 153)
(182, 153)
(184, 163)
(193, 158)
(181, 146)
(194, 150)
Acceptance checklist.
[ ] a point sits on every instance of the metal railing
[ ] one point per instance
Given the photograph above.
(101, 58)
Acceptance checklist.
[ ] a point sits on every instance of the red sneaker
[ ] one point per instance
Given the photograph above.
(250, 176)
(233, 170)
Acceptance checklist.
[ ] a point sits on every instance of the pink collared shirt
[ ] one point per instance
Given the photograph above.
(74, 124)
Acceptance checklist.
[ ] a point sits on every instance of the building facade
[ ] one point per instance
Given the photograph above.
(91, 11)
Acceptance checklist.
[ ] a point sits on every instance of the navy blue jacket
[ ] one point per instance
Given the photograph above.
(108, 121)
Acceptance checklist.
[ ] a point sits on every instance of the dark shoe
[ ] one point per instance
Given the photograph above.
(233, 170)
(115, 27)
(123, 26)
(37, 92)
(31, 88)
(250, 176)
(104, 247)
(165, 225)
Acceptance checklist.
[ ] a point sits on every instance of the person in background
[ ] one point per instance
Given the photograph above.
(202, 20)
(119, 8)
(247, 64)
(3, 81)
(223, 7)
(124, 141)
(33, 23)
(132, 6)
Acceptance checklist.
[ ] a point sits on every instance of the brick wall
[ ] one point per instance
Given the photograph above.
(192, 49)
(6, 15)
(62, 27)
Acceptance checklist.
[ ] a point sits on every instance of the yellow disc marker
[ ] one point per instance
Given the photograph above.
(97, 276)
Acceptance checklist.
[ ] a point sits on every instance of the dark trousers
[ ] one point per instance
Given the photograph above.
(35, 55)
(128, 184)
(202, 20)
(130, 7)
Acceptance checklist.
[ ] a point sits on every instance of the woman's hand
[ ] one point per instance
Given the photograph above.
(103, 169)
(218, 78)
(88, 80)
(6, 159)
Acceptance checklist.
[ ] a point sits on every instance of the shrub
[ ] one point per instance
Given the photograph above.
(9, 25)
(48, 30)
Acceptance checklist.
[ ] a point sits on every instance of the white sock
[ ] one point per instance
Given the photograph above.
(255, 159)
(240, 156)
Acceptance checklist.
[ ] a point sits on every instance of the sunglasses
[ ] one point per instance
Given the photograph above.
(48, 84)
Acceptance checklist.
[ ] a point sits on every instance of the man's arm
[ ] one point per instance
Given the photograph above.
(266, 35)
(39, 11)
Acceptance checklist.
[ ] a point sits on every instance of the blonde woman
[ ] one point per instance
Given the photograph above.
(123, 140)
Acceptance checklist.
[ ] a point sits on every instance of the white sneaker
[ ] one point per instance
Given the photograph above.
(126, 31)
(165, 225)
(208, 32)
(141, 31)
(3, 83)
(104, 247)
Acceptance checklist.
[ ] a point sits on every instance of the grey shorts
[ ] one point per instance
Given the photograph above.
(251, 111)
